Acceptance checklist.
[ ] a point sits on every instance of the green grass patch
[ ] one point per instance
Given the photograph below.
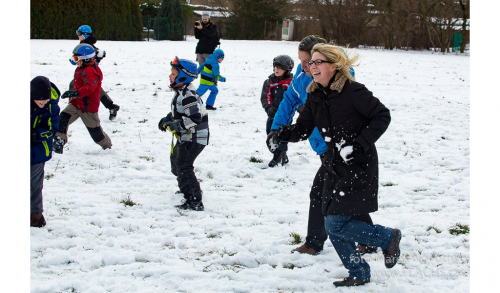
(389, 184)
(296, 238)
(458, 229)
(147, 158)
(433, 228)
(128, 202)
(255, 160)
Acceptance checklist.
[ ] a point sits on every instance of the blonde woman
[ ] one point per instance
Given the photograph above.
(351, 120)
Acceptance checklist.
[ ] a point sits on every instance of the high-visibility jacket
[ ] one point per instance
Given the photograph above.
(209, 71)
(45, 121)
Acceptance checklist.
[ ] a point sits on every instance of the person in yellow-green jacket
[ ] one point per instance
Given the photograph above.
(209, 76)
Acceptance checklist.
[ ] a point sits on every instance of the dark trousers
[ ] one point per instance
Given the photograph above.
(283, 147)
(91, 121)
(181, 162)
(36, 186)
(105, 99)
(316, 233)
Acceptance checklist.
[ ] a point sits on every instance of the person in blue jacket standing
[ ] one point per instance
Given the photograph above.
(209, 76)
(294, 100)
(44, 125)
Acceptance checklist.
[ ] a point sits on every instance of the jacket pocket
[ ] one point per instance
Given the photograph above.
(353, 176)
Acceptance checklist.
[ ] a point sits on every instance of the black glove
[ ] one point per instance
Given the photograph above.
(301, 108)
(70, 94)
(162, 125)
(268, 141)
(34, 135)
(175, 126)
(271, 111)
(275, 138)
(357, 152)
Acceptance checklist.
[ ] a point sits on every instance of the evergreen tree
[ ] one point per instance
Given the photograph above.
(110, 20)
(250, 17)
(169, 25)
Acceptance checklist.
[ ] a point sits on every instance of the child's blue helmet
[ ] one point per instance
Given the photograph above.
(219, 54)
(187, 71)
(84, 31)
(83, 52)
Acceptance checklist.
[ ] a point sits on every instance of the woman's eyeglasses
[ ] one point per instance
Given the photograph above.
(318, 62)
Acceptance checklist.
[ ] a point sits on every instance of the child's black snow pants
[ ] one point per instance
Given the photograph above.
(182, 161)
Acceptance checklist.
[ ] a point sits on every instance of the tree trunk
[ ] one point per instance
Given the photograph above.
(464, 5)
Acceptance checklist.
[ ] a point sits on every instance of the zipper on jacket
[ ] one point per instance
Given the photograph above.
(47, 153)
(34, 124)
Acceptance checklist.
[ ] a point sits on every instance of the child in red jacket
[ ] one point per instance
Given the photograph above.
(86, 36)
(84, 99)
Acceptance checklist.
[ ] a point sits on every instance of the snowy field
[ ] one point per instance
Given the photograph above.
(241, 242)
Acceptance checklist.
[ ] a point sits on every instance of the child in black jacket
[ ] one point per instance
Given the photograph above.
(272, 94)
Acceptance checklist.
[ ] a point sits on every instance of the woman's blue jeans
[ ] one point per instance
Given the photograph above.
(344, 232)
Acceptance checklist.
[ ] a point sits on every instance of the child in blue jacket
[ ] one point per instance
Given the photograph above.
(44, 125)
(209, 76)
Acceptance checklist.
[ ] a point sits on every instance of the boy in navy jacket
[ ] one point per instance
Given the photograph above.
(44, 125)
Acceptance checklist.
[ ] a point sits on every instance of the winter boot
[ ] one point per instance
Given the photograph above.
(276, 159)
(191, 205)
(284, 159)
(305, 249)
(208, 107)
(58, 145)
(364, 249)
(391, 254)
(37, 220)
(348, 282)
(113, 112)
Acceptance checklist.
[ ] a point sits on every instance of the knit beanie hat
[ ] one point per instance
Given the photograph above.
(40, 88)
(205, 14)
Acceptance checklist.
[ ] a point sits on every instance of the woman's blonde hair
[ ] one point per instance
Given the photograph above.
(340, 57)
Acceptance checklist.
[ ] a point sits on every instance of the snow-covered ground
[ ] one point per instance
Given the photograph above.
(241, 242)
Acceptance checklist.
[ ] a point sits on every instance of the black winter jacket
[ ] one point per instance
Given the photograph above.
(344, 113)
(208, 37)
(273, 91)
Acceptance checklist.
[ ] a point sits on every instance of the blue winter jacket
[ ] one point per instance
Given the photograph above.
(209, 71)
(294, 97)
(46, 122)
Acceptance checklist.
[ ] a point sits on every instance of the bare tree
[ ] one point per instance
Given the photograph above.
(465, 8)
(441, 17)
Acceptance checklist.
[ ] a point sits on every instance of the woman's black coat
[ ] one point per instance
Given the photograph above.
(345, 113)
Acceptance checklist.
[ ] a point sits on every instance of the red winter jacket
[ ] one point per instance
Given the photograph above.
(87, 81)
